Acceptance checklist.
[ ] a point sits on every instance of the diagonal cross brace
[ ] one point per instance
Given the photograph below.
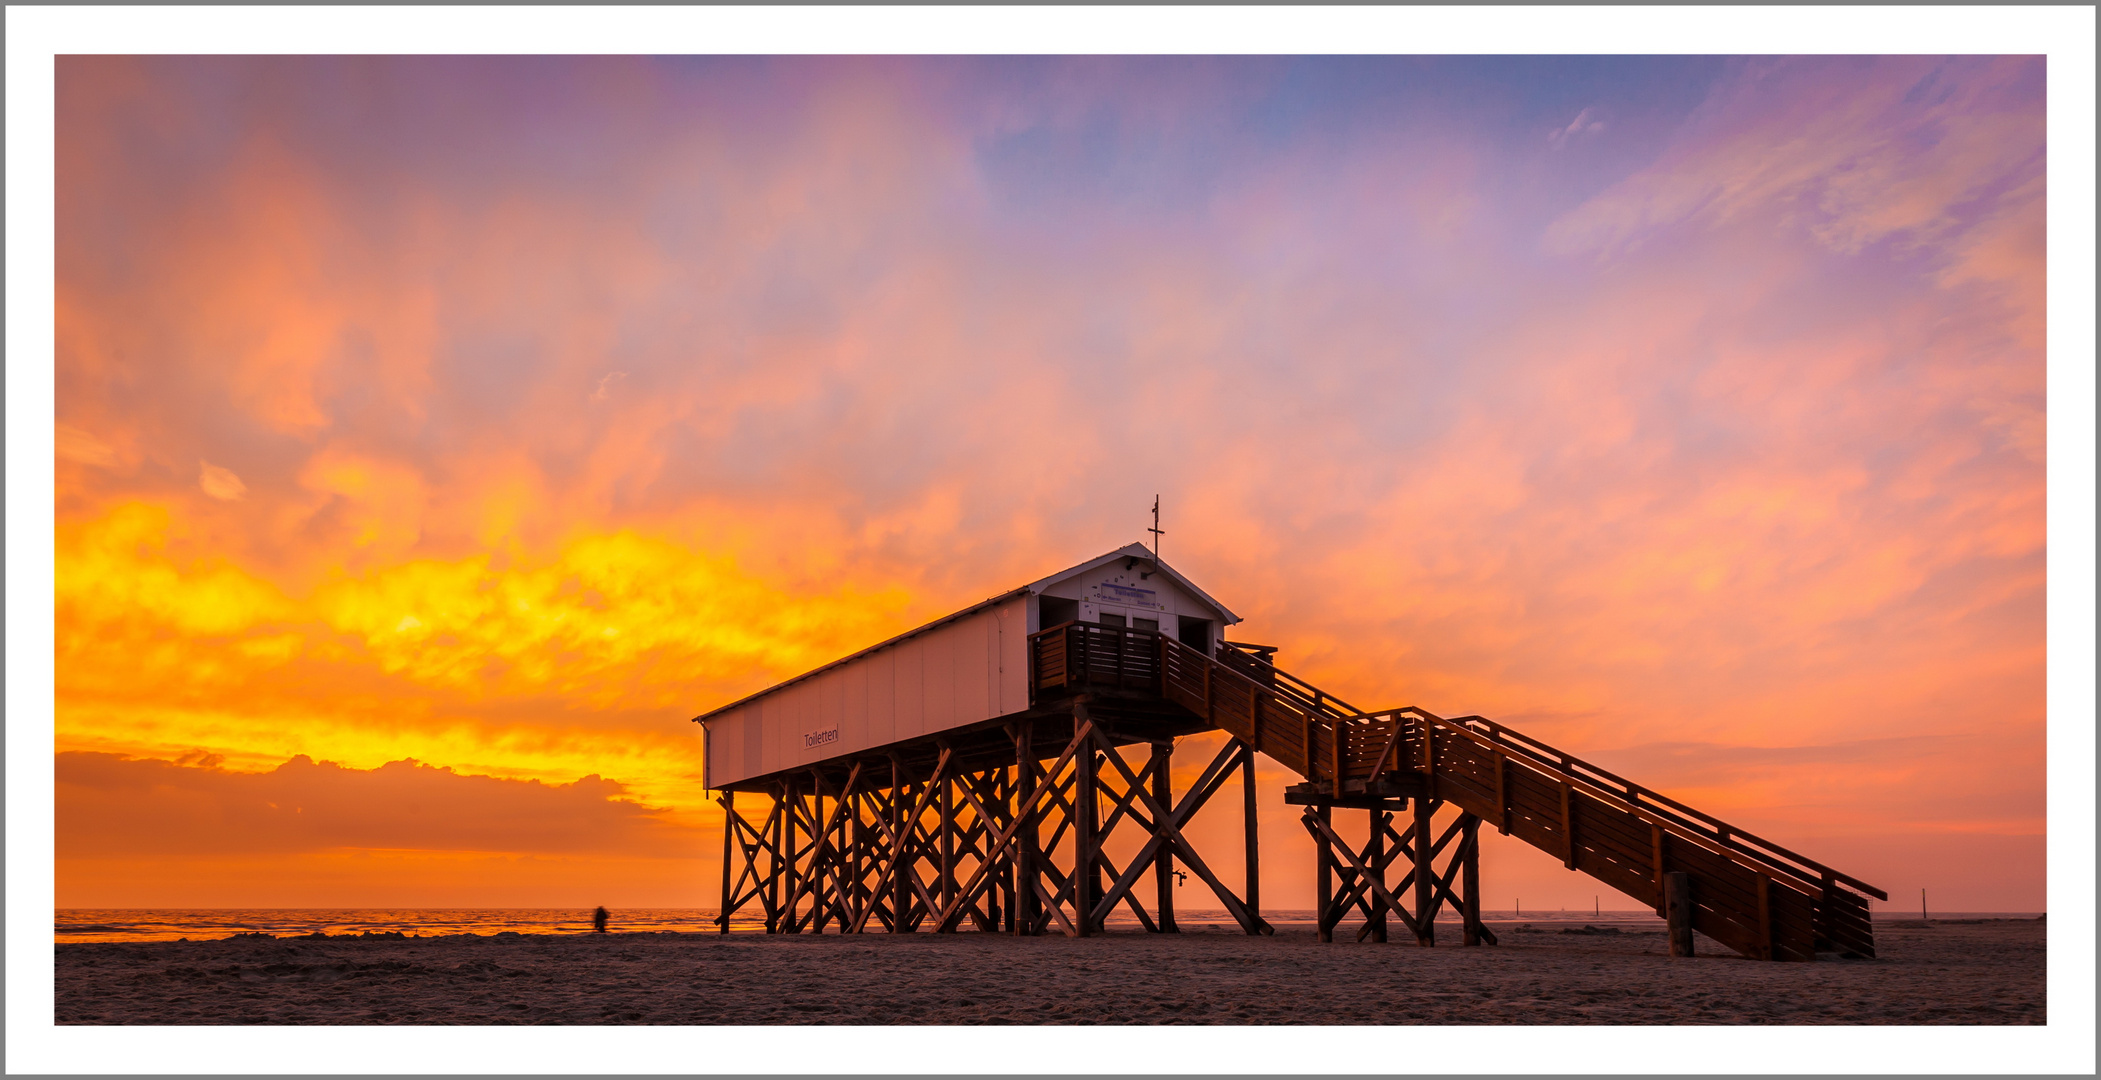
(1321, 831)
(821, 843)
(751, 848)
(1006, 836)
(1169, 831)
(897, 846)
(1354, 891)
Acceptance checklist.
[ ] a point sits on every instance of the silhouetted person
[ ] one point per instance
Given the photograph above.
(598, 919)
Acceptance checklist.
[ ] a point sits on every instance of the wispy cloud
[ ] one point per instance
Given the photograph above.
(1583, 124)
(219, 483)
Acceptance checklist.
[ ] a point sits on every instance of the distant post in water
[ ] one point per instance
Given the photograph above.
(1677, 911)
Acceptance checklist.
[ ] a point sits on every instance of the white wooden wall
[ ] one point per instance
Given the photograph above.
(965, 672)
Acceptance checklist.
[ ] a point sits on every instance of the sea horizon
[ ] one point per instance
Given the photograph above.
(141, 925)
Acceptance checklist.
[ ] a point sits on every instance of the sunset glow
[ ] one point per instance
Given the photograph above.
(436, 436)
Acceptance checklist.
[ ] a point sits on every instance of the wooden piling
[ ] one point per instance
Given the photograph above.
(729, 812)
(1470, 881)
(1026, 876)
(1324, 890)
(1164, 861)
(1375, 858)
(1250, 826)
(900, 892)
(1678, 911)
(947, 803)
(1085, 806)
(1425, 877)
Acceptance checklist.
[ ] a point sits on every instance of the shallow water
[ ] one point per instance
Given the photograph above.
(202, 924)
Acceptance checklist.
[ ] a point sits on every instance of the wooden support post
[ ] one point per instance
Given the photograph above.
(850, 841)
(843, 858)
(854, 866)
(783, 866)
(729, 813)
(1324, 889)
(1084, 840)
(824, 899)
(1006, 799)
(820, 841)
(1250, 827)
(1375, 859)
(1677, 912)
(900, 892)
(1470, 880)
(1164, 861)
(1425, 879)
(1026, 880)
(947, 804)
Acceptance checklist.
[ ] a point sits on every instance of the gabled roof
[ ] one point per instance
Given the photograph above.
(1133, 551)
(1128, 551)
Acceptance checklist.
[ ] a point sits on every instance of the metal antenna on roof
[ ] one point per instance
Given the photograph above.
(1155, 530)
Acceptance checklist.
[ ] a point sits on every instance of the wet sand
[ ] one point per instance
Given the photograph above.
(1970, 972)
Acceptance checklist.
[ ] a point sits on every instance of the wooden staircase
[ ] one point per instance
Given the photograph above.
(1751, 895)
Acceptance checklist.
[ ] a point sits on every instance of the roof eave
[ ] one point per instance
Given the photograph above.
(1141, 552)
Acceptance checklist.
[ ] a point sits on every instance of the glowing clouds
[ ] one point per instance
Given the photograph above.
(1690, 402)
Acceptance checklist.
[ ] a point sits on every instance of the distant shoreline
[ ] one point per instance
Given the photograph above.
(1281, 923)
(142, 925)
(1988, 971)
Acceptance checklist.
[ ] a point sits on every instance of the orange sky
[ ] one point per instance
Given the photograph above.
(435, 437)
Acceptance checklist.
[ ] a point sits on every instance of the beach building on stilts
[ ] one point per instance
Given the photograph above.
(968, 775)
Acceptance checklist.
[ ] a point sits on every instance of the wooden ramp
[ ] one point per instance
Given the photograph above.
(1751, 895)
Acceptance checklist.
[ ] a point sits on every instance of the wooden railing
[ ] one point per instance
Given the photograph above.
(1752, 894)
(1083, 656)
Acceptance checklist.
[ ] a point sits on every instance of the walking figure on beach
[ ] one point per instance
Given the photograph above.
(598, 919)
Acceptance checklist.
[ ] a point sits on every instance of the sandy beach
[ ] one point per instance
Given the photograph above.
(1968, 972)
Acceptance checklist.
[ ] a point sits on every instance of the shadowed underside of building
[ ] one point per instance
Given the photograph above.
(970, 775)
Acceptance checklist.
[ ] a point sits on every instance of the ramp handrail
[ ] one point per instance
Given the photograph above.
(1307, 694)
(1610, 785)
(1603, 782)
